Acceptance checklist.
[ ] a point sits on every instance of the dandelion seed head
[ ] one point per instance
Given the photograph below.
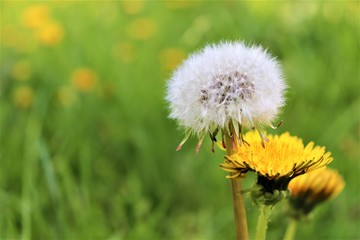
(226, 82)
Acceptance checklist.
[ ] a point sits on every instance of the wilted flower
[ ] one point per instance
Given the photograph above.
(229, 84)
(313, 188)
(284, 158)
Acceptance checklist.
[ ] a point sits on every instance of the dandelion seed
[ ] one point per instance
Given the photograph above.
(225, 86)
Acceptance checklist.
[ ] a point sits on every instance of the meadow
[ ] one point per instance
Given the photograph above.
(87, 149)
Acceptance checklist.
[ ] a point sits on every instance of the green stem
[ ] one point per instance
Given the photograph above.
(239, 210)
(32, 133)
(291, 229)
(241, 227)
(262, 222)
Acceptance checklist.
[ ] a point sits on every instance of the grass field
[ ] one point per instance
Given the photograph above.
(87, 150)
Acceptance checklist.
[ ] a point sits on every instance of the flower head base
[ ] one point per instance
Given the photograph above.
(224, 84)
(283, 158)
(261, 197)
(313, 188)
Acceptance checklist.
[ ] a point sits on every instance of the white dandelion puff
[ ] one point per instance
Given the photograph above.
(227, 83)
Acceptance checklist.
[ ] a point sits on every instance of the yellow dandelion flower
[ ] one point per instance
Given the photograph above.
(313, 188)
(171, 57)
(21, 70)
(283, 158)
(23, 97)
(142, 28)
(84, 79)
(35, 16)
(50, 34)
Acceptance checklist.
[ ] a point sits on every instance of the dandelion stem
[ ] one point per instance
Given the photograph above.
(231, 142)
(262, 222)
(239, 209)
(291, 229)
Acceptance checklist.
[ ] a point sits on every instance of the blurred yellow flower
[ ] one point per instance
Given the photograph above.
(13, 37)
(66, 96)
(171, 57)
(50, 34)
(133, 7)
(35, 16)
(46, 30)
(23, 97)
(142, 28)
(84, 79)
(313, 188)
(21, 70)
(124, 51)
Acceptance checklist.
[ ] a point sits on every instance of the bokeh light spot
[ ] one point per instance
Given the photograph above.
(23, 97)
(35, 16)
(84, 79)
(142, 28)
(50, 34)
(171, 57)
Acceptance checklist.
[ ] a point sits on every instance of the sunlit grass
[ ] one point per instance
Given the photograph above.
(87, 150)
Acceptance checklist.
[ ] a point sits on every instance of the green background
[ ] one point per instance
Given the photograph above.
(94, 158)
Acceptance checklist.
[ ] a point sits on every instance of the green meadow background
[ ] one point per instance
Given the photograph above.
(88, 152)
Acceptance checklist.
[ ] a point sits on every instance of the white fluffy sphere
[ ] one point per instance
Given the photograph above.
(223, 82)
